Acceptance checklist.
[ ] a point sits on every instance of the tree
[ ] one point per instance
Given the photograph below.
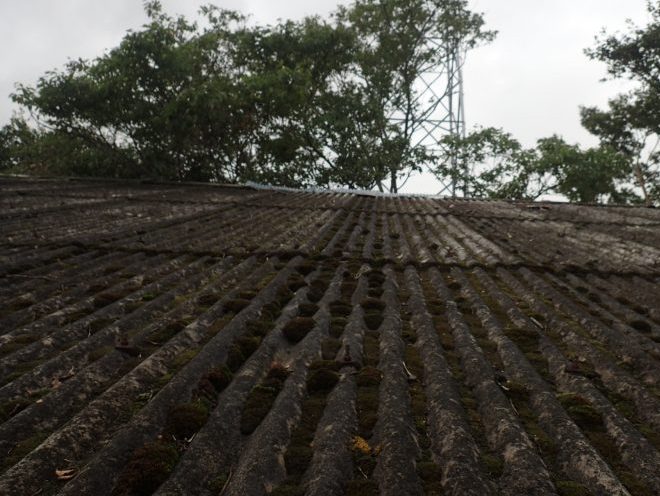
(631, 124)
(503, 168)
(506, 170)
(399, 41)
(295, 104)
(164, 103)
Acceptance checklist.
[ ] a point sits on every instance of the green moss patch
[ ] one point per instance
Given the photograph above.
(322, 380)
(235, 358)
(307, 309)
(641, 326)
(167, 331)
(369, 377)
(297, 459)
(337, 326)
(186, 419)
(305, 268)
(219, 377)
(362, 487)
(372, 304)
(582, 412)
(105, 299)
(12, 407)
(329, 348)
(340, 308)
(295, 282)
(288, 489)
(259, 327)
(235, 305)
(22, 449)
(99, 353)
(375, 278)
(247, 295)
(376, 292)
(248, 345)
(296, 329)
(257, 406)
(261, 399)
(149, 296)
(316, 291)
(494, 465)
(373, 320)
(571, 488)
(147, 469)
(207, 299)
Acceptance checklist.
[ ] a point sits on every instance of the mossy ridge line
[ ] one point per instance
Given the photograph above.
(150, 465)
(203, 466)
(261, 398)
(632, 458)
(79, 356)
(621, 297)
(115, 365)
(459, 244)
(231, 232)
(576, 458)
(50, 255)
(635, 288)
(441, 247)
(356, 238)
(79, 333)
(48, 294)
(321, 381)
(522, 470)
(124, 441)
(393, 432)
(609, 312)
(259, 461)
(486, 460)
(427, 469)
(280, 234)
(618, 297)
(614, 378)
(450, 250)
(422, 253)
(454, 441)
(372, 245)
(641, 364)
(484, 250)
(518, 387)
(338, 235)
(331, 465)
(404, 254)
(323, 241)
(368, 379)
(83, 307)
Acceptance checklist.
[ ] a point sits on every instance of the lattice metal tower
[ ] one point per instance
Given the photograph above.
(439, 94)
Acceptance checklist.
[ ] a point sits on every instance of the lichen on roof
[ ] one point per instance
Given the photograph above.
(268, 341)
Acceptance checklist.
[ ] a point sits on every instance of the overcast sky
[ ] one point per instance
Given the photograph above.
(529, 81)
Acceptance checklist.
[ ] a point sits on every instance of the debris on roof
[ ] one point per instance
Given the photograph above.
(184, 339)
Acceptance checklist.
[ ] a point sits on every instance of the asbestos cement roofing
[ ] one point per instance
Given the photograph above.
(186, 339)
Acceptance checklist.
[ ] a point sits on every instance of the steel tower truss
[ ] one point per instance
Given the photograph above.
(441, 109)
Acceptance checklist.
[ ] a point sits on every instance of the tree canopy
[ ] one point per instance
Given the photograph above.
(507, 170)
(631, 123)
(298, 103)
(312, 103)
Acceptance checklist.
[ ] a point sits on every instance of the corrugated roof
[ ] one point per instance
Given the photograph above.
(184, 339)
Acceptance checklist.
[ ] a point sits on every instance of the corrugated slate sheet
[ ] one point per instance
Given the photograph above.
(164, 339)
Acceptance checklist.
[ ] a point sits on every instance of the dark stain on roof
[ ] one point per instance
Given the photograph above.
(188, 339)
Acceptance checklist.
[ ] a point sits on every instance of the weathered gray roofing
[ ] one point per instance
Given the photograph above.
(188, 339)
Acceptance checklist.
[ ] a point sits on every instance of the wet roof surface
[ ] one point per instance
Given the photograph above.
(162, 339)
